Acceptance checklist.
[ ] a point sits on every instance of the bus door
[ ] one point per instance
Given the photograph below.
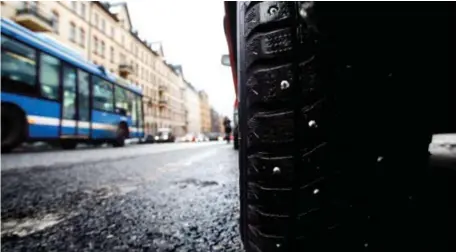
(68, 113)
(83, 129)
(75, 121)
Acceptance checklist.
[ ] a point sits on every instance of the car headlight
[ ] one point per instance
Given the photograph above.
(165, 137)
(156, 137)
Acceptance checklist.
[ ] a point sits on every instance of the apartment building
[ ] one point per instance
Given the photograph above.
(193, 109)
(103, 33)
(216, 121)
(205, 110)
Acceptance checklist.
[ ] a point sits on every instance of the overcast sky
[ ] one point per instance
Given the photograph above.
(192, 35)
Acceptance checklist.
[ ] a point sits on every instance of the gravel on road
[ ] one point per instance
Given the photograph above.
(170, 197)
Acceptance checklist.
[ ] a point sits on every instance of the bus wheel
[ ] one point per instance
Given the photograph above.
(68, 144)
(13, 128)
(122, 133)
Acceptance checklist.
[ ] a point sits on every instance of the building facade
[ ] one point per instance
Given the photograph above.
(193, 109)
(205, 110)
(216, 121)
(103, 33)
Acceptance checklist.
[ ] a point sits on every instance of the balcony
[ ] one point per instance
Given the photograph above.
(152, 102)
(125, 70)
(33, 19)
(163, 102)
(162, 88)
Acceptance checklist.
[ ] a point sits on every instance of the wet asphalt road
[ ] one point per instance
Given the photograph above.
(161, 197)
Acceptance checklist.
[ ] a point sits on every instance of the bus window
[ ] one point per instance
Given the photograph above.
(83, 98)
(103, 97)
(121, 99)
(49, 76)
(131, 106)
(69, 93)
(18, 64)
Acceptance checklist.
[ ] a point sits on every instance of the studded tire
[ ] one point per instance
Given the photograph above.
(236, 138)
(334, 153)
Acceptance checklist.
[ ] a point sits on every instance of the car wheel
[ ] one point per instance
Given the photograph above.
(335, 145)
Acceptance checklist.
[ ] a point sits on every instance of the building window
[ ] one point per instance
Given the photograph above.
(72, 32)
(95, 45)
(32, 5)
(83, 10)
(112, 54)
(96, 20)
(123, 40)
(55, 21)
(102, 49)
(112, 32)
(74, 5)
(103, 24)
(82, 37)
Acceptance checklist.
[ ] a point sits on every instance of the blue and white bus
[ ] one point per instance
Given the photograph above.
(50, 93)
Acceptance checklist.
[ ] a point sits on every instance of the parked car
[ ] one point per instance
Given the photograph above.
(338, 103)
(165, 135)
(190, 137)
(213, 136)
(202, 138)
(148, 139)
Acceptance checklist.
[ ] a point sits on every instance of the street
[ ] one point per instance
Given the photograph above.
(159, 197)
